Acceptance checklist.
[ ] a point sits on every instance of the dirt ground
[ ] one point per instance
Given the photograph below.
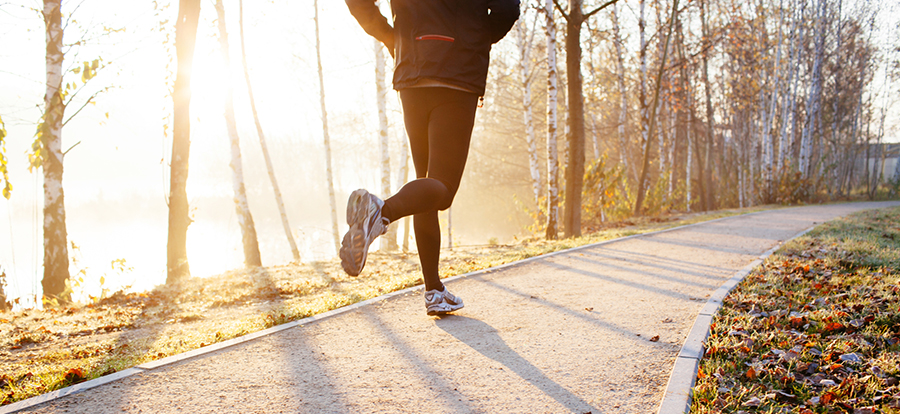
(591, 330)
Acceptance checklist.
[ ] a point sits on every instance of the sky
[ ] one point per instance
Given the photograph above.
(116, 173)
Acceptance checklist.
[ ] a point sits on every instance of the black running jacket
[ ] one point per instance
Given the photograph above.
(444, 40)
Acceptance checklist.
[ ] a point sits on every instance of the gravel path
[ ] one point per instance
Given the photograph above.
(590, 330)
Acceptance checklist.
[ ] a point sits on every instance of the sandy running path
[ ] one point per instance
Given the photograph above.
(567, 333)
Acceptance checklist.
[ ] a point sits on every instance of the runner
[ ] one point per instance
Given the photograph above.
(441, 50)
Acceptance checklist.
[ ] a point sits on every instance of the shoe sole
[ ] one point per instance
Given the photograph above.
(354, 247)
(443, 309)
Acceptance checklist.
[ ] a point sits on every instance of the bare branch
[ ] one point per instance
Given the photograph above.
(70, 148)
(603, 6)
(561, 11)
(88, 101)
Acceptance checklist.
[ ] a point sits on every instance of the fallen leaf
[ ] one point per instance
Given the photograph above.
(790, 356)
(827, 383)
(753, 402)
(751, 373)
(785, 397)
(655, 338)
(851, 357)
(75, 375)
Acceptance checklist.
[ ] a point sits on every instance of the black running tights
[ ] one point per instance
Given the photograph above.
(439, 125)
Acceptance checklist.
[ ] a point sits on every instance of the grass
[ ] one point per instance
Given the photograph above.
(45, 350)
(815, 329)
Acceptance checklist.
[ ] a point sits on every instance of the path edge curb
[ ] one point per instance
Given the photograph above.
(677, 397)
(149, 366)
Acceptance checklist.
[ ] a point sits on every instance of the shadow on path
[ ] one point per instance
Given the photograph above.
(485, 339)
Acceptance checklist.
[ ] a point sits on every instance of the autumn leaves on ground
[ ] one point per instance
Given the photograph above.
(44, 350)
(814, 330)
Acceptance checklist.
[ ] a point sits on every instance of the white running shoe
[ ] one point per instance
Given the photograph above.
(442, 303)
(366, 224)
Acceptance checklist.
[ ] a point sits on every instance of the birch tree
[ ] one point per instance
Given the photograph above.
(814, 101)
(523, 42)
(404, 177)
(179, 218)
(4, 169)
(638, 205)
(552, 146)
(329, 172)
(242, 207)
(389, 240)
(769, 113)
(706, 166)
(56, 256)
(623, 92)
(262, 140)
(785, 144)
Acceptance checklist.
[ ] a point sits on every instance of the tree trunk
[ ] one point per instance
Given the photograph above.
(649, 133)
(552, 148)
(642, 93)
(708, 199)
(814, 102)
(623, 94)
(262, 143)
(404, 177)
(327, 139)
(784, 143)
(56, 256)
(769, 116)
(179, 218)
(524, 44)
(595, 141)
(388, 240)
(575, 170)
(242, 207)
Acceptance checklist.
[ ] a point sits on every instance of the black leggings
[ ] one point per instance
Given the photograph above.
(439, 124)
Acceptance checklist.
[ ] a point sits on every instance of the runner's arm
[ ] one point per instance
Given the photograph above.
(372, 21)
(503, 14)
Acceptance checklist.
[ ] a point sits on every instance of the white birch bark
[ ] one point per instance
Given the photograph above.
(56, 257)
(836, 115)
(595, 139)
(769, 113)
(404, 177)
(262, 140)
(523, 41)
(242, 208)
(329, 172)
(671, 153)
(784, 144)
(814, 102)
(623, 92)
(645, 116)
(740, 168)
(690, 149)
(388, 240)
(552, 148)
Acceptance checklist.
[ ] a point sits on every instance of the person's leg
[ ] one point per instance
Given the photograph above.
(439, 125)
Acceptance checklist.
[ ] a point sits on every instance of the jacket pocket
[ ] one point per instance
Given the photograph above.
(433, 52)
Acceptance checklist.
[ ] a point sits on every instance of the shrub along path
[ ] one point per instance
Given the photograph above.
(589, 330)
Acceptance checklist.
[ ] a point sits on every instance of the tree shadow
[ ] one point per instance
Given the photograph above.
(486, 340)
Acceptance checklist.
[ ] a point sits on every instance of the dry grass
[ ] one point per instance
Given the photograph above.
(44, 350)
